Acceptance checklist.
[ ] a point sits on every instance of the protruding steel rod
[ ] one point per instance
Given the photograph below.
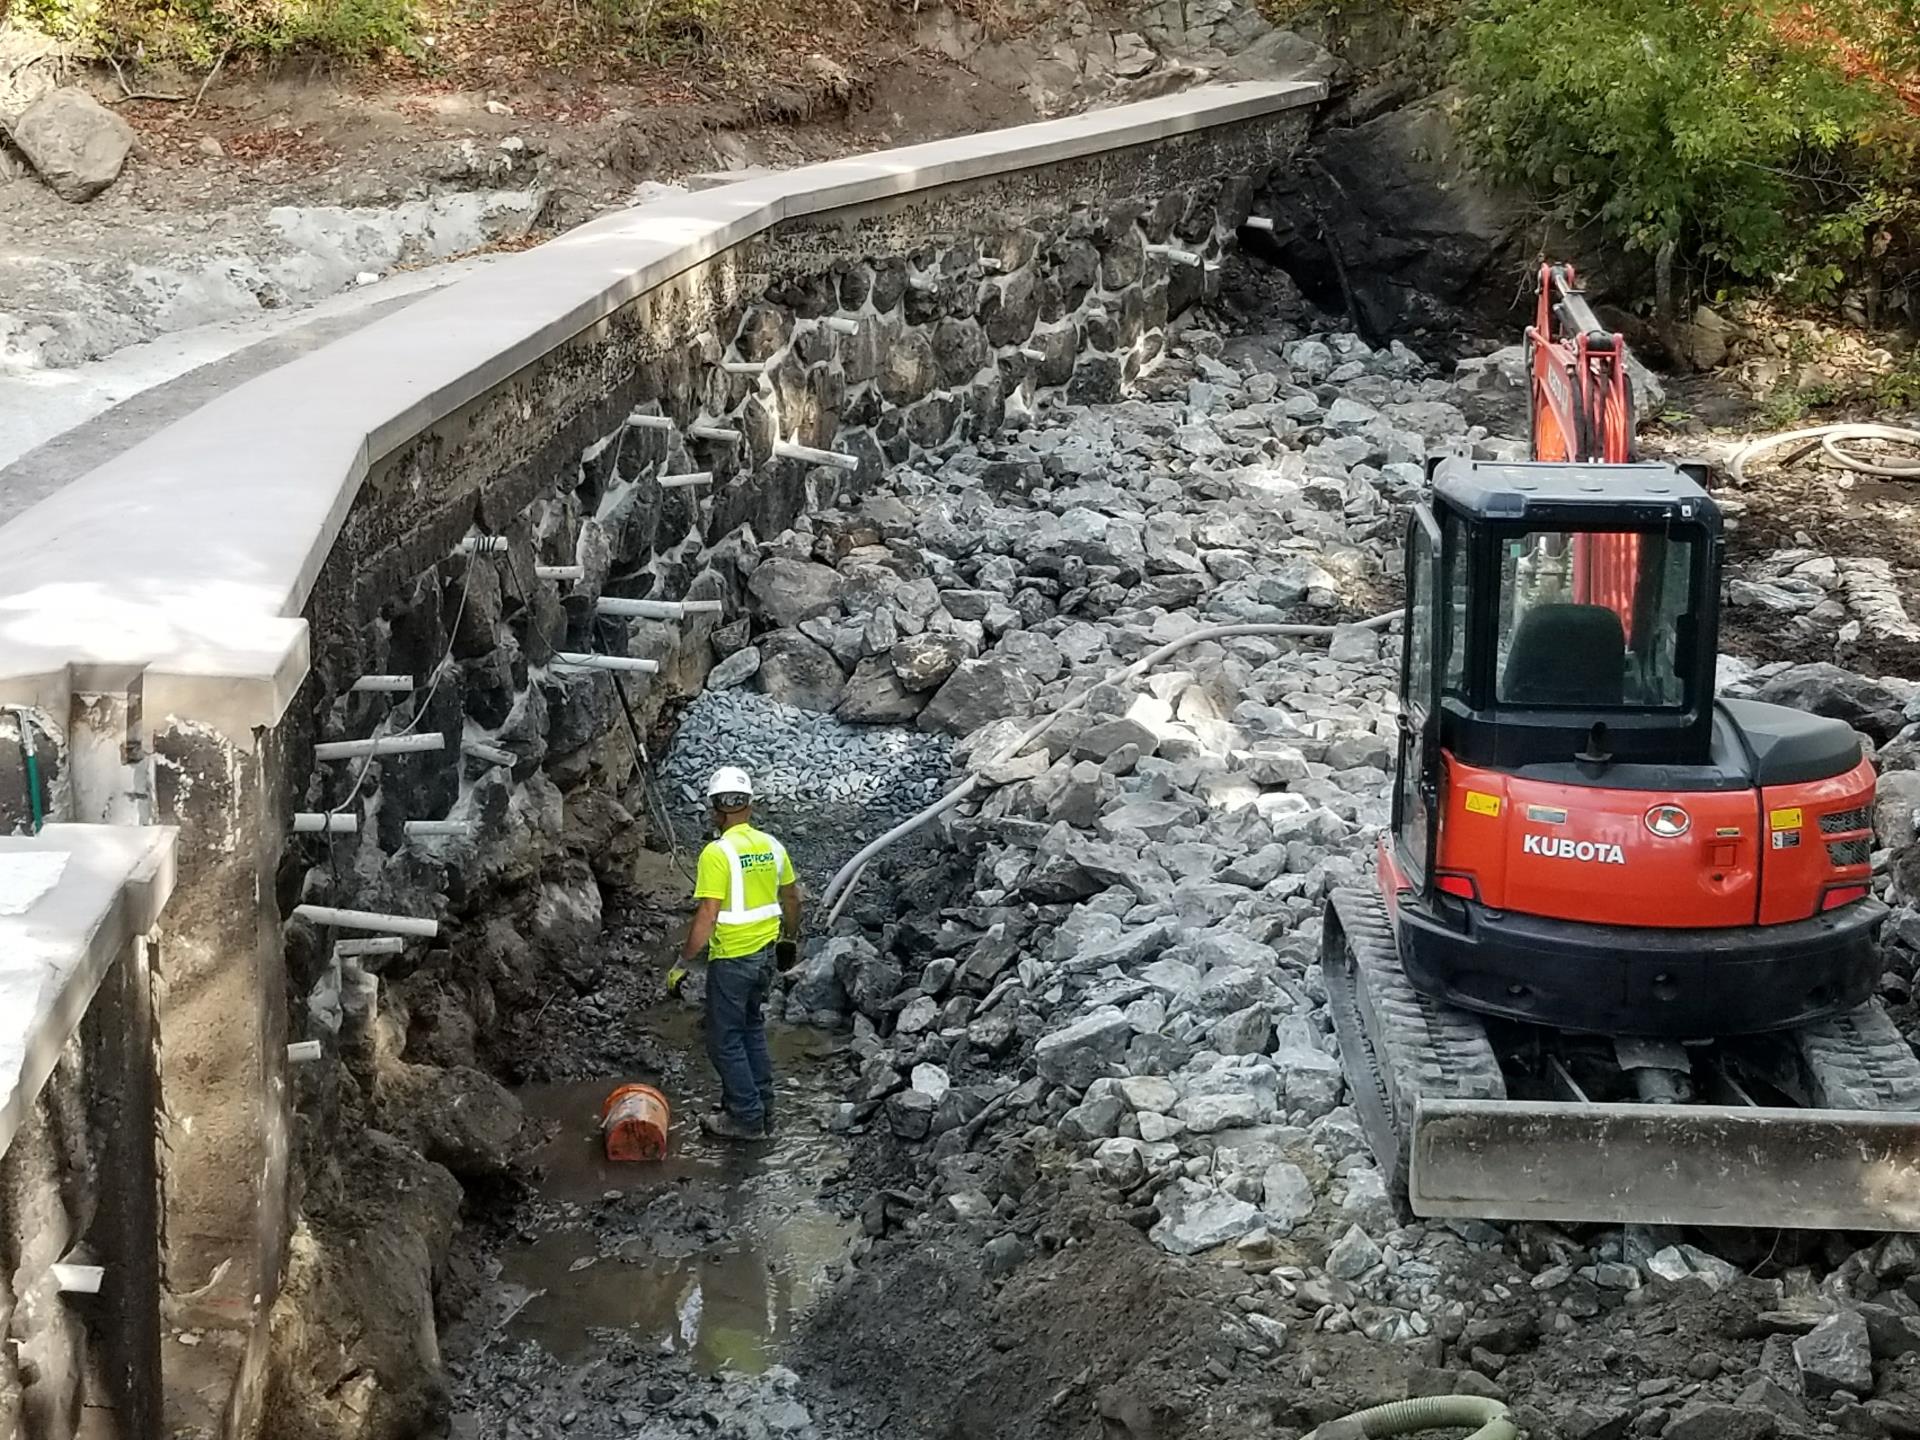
(842, 324)
(379, 745)
(368, 920)
(356, 949)
(482, 545)
(787, 450)
(685, 481)
(641, 421)
(426, 828)
(627, 664)
(657, 609)
(560, 572)
(491, 754)
(720, 433)
(383, 685)
(304, 1052)
(325, 822)
(71, 1279)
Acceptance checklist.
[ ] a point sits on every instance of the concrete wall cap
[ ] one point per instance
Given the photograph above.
(191, 555)
(72, 898)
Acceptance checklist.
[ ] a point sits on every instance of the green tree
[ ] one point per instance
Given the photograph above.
(1696, 129)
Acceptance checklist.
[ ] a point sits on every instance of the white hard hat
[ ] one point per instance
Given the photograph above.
(730, 780)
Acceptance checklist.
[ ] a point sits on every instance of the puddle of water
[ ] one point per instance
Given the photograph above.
(714, 1251)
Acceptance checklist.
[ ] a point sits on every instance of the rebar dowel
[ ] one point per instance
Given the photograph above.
(559, 572)
(379, 745)
(424, 828)
(788, 450)
(383, 685)
(656, 609)
(381, 945)
(325, 822)
(368, 920)
(627, 664)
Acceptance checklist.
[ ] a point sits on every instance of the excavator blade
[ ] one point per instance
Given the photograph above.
(1666, 1164)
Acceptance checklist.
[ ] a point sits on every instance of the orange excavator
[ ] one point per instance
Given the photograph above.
(1621, 960)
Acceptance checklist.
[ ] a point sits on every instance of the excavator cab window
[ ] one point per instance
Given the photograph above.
(1595, 619)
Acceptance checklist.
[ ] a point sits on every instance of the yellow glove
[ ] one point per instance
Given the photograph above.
(676, 977)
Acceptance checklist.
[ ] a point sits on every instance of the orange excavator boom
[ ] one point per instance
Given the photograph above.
(1581, 406)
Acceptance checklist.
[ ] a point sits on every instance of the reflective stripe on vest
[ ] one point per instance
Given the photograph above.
(736, 912)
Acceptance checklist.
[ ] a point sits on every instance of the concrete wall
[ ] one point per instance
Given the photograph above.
(189, 640)
(77, 1170)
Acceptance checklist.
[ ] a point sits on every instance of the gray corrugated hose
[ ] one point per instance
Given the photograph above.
(840, 888)
(1429, 1412)
(1830, 438)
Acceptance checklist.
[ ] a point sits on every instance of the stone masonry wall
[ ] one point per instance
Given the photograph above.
(876, 333)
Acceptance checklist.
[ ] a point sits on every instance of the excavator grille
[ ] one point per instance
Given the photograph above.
(1851, 852)
(1838, 822)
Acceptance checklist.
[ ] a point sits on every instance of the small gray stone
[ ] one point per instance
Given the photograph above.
(1077, 1054)
(1194, 1219)
(1353, 1255)
(1837, 1354)
(1287, 1196)
(739, 667)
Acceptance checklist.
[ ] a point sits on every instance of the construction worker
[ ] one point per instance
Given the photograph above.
(746, 922)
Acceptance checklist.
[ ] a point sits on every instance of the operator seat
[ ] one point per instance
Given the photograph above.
(1572, 655)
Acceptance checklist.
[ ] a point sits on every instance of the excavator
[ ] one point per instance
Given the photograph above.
(1621, 959)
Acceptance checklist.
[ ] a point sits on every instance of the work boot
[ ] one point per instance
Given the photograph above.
(724, 1125)
(766, 1112)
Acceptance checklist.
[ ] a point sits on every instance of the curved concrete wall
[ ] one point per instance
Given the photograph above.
(188, 620)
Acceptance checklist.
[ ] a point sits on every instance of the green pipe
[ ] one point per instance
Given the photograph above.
(32, 760)
(1429, 1412)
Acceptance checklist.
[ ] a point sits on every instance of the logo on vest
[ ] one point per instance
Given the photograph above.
(1558, 847)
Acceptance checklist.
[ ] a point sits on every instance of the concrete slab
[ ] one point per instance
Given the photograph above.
(56, 425)
(187, 558)
(72, 899)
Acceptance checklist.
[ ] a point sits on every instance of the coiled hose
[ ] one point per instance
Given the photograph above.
(1429, 1412)
(1830, 439)
(840, 889)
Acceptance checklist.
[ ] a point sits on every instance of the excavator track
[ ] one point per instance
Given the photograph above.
(1401, 1046)
(1434, 1099)
(1859, 1061)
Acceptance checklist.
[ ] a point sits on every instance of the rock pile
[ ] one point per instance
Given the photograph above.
(820, 784)
(1125, 985)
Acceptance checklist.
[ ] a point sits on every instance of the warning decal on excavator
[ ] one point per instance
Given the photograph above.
(1784, 819)
(1481, 803)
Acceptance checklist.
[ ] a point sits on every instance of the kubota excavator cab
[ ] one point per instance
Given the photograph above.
(1583, 836)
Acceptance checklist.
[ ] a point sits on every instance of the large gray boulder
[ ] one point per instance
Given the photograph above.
(875, 696)
(797, 672)
(73, 142)
(979, 691)
(789, 591)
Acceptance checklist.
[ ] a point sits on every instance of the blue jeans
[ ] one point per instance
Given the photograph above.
(737, 1033)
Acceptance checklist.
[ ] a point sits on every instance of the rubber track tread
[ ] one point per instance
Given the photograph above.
(1860, 1061)
(1417, 1046)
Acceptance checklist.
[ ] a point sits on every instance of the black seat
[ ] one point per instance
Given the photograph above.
(1571, 655)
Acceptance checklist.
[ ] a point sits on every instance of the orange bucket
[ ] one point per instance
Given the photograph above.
(634, 1120)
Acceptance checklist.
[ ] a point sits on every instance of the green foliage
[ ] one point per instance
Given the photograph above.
(198, 32)
(1691, 125)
